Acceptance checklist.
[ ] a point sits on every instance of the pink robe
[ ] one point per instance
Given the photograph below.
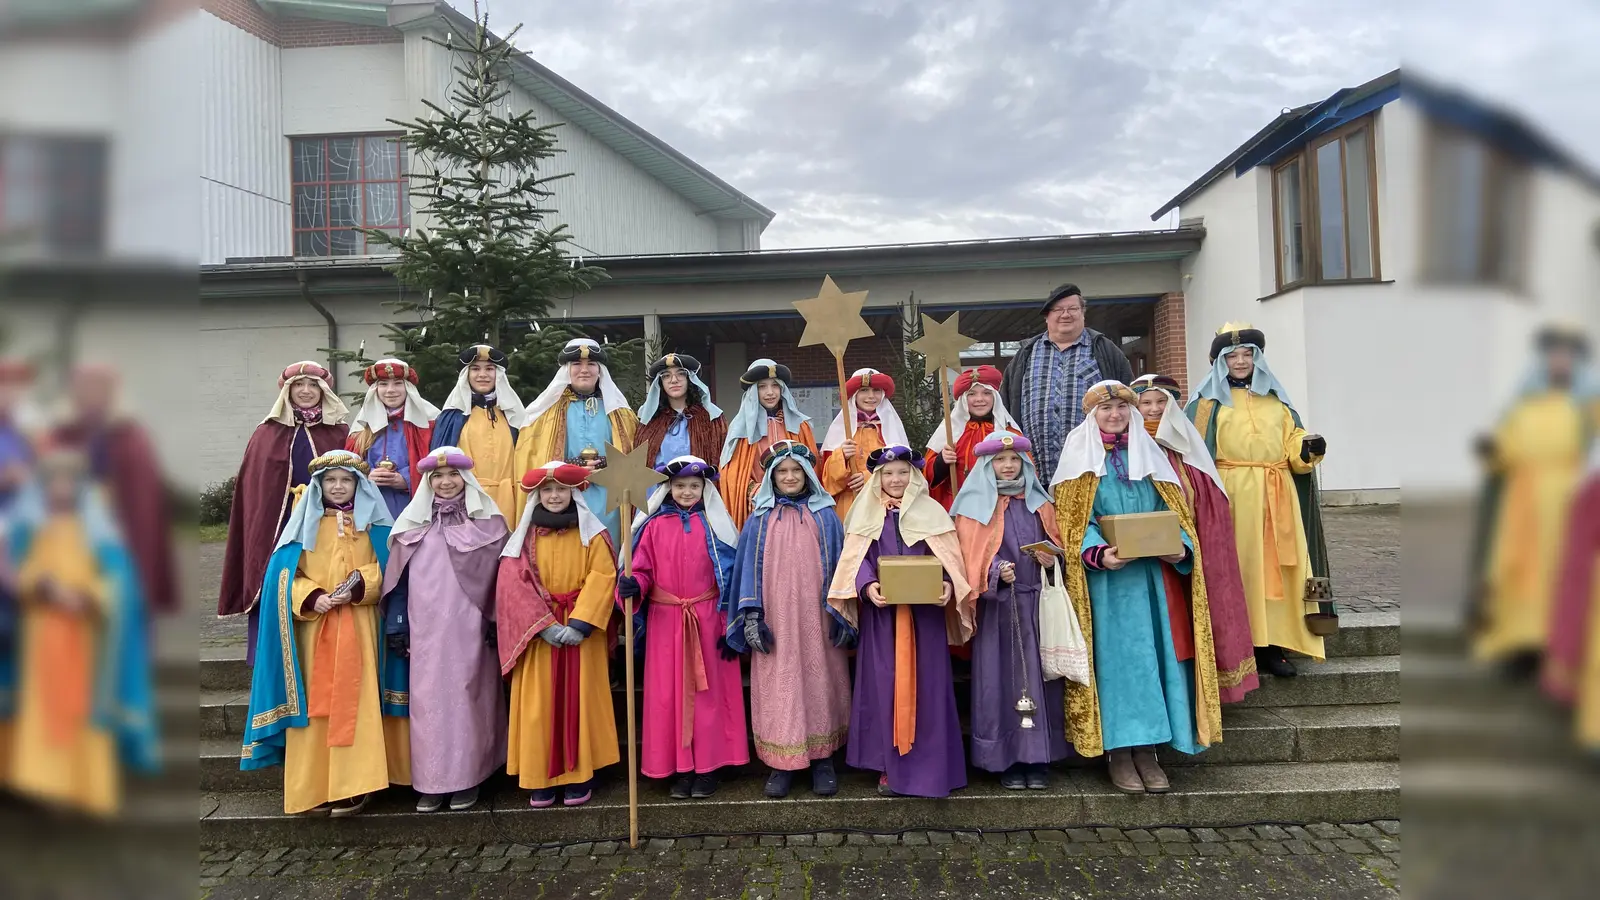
(706, 694)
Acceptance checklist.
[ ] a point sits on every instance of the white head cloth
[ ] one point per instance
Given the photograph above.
(504, 397)
(610, 394)
(716, 510)
(960, 415)
(1084, 451)
(419, 512)
(1178, 434)
(374, 416)
(589, 524)
(889, 424)
(333, 409)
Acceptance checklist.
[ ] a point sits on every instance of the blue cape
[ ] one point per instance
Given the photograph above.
(750, 562)
(447, 429)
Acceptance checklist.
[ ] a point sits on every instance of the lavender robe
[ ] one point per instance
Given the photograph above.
(998, 740)
(936, 764)
(458, 712)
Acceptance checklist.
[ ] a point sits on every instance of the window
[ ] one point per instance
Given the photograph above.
(1324, 210)
(341, 184)
(53, 193)
(1476, 206)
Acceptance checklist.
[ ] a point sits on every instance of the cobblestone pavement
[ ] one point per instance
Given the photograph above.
(1313, 861)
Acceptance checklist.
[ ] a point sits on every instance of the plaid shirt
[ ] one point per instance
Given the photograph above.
(1053, 396)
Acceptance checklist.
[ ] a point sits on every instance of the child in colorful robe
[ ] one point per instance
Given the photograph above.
(1155, 671)
(483, 416)
(977, 412)
(553, 603)
(693, 696)
(84, 692)
(327, 697)
(678, 417)
(877, 425)
(799, 673)
(903, 720)
(1002, 508)
(393, 430)
(1202, 487)
(306, 421)
(767, 415)
(438, 605)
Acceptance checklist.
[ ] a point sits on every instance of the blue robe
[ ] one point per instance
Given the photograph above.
(592, 431)
(393, 444)
(1146, 694)
(750, 559)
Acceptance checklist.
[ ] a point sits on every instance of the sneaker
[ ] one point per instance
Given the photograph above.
(1013, 779)
(683, 787)
(778, 784)
(543, 798)
(348, 807)
(578, 794)
(463, 800)
(704, 786)
(428, 803)
(883, 786)
(824, 781)
(1038, 777)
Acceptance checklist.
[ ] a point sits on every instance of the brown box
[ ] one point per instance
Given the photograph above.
(1142, 535)
(911, 579)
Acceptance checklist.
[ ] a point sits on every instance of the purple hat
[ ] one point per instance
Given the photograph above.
(688, 465)
(893, 454)
(444, 456)
(994, 443)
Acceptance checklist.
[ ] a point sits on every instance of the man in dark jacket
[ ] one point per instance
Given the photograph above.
(1045, 382)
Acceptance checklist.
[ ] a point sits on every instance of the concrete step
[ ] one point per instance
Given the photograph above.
(1215, 796)
(1553, 794)
(1450, 681)
(1249, 735)
(1365, 634)
(1529, 734)
(1335, 682)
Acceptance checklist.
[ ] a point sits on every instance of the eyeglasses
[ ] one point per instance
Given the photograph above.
(1067, 312)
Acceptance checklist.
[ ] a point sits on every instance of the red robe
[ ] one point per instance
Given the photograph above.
(125, 462)
(260, 502)
(418, 440)
(1567, 649)
(944, 484)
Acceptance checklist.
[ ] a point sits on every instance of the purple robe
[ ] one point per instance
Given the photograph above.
(458, 712)
(936, 764)
(998, 740)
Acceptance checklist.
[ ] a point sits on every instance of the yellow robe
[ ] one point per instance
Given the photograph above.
(566, 566)
(545, 439)
(1258, 449)
(1539, 450)
(313, 772)
(81, 771)
(835, 475)
(493, 454)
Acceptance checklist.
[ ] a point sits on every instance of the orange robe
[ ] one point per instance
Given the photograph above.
(835, 475)
(945, 489)
(742, 475)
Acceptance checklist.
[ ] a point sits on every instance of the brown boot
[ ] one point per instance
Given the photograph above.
(1155, 780)
(1124, 777)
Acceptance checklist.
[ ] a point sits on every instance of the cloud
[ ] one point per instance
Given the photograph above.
(943, 119)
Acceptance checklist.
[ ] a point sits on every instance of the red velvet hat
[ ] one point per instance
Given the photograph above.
(570, 475)
(983, 374)
(389, 368)
(870, 378)
(306, 369)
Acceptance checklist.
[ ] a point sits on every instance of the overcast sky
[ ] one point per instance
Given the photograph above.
(872, 121)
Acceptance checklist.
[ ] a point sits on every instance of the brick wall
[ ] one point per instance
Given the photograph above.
(814, 365)
(1170, 356)
(292, 32)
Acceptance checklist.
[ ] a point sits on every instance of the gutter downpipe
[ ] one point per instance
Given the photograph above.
(333, 326)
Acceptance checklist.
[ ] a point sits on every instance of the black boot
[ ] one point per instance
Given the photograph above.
(1522, 667)
(778, 784)
(1271, 661)
(683, 787)
(704, 786)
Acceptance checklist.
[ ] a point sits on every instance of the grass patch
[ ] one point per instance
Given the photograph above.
(213, 534)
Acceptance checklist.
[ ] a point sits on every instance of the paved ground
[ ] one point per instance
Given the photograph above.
(1347, 862)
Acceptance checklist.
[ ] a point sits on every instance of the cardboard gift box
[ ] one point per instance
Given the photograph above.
(1143, 535)
(910, 579)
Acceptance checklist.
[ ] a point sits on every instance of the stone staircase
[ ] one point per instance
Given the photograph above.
(1324, 746)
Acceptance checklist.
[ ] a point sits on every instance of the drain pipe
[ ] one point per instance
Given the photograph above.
(333, 326)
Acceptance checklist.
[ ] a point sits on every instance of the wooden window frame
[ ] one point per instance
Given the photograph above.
(1311, 213)
(1503, 227)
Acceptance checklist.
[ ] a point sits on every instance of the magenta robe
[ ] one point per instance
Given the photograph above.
(1574, 606)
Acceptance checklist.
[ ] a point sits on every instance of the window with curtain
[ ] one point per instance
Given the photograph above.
(1475, 212)
(1324, 210)
(345, 183)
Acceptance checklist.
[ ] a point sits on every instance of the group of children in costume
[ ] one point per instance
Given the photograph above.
(391, 613)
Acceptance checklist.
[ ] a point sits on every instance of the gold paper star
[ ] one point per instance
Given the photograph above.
(941, 343)
(833, 318)
(627, 477)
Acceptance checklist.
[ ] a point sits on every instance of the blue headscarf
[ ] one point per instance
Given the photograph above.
(1262, 381)
(767, 494)
(980, 493)
(652, 398)
(370, 508)
(750, 422)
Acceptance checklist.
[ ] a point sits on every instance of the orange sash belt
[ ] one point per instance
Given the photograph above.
(335, 690)
(64, 650)
(905, 679)
(694, 661)
(1278, 541)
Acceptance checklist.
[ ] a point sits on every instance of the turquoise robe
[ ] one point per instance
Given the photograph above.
(592, 430)
(1146, 693)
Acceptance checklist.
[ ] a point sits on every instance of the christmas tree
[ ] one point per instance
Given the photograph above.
(487, 256)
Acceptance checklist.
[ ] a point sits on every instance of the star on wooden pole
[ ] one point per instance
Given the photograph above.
(833, 319)
(941, 346)
(627, 479)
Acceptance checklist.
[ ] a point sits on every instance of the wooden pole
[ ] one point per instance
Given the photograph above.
(847, 414)
(627, 627)
(944, 395)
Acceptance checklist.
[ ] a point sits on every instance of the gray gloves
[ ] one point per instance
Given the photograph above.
(756, 637)
(562, 636)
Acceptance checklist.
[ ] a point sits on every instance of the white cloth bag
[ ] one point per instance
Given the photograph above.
(1063, 653)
